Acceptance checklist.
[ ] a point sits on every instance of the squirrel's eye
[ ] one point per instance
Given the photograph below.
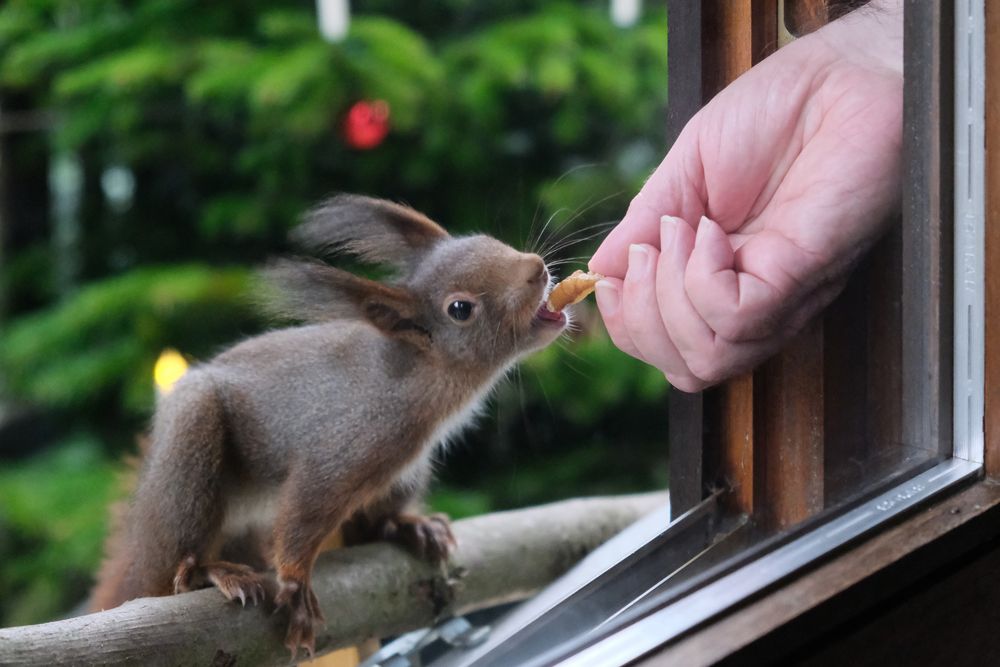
(460, 310)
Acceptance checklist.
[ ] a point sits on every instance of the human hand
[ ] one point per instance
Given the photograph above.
(778, 186)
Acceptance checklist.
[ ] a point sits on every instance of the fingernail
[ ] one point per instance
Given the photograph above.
(638, 260)
(608, 298)
(701, 230)
(668, 229)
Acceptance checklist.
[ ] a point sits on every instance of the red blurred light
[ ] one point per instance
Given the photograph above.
(366, 124)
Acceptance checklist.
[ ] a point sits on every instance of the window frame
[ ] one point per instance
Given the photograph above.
(948, 357)
(942, 235)
(943, 393)
(774, 624)
(938, 347)
(742, 435)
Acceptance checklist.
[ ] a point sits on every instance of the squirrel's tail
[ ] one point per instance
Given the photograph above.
(105, 595)
(175, 511)
(106, 592)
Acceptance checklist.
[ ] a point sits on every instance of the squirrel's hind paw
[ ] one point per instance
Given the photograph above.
(185, 575)
(303, 615)
(427, 537)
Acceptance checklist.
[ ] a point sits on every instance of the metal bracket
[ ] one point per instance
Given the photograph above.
(404, 651)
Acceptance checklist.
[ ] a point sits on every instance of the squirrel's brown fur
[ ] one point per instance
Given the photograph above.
(260, 453)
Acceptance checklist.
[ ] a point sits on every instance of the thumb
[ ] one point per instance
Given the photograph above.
(671, 190)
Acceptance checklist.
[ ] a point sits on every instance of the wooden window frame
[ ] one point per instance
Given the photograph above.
(761, 447)
(774, 435)
(915, 586)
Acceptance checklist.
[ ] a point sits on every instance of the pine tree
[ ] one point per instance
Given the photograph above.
(506, 116)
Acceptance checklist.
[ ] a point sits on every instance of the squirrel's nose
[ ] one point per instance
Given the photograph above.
(535, 270)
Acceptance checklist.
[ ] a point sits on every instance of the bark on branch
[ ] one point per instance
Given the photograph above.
(369, 591)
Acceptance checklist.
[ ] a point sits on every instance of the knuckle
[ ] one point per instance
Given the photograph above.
(731, 327)
(707, 369)
(740, 325)
(684, 383)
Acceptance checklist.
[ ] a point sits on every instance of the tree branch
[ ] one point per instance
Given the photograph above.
(368, 591)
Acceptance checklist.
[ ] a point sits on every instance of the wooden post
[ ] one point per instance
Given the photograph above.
(684, 411)
(789, 432)
(736, 442)
(735, 36)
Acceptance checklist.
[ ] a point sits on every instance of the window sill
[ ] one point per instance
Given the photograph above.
(814, 613)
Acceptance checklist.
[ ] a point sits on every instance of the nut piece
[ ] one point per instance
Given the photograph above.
(572, 290)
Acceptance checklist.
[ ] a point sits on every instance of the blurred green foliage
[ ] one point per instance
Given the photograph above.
(104, 340)
(566, 374)
(526, 119)
(230, 115)
(53, 510)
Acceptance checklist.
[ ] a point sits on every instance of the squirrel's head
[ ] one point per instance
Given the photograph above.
(468, 300)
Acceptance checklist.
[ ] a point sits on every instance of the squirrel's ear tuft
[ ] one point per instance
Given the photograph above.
(375, 230)
(310, 291)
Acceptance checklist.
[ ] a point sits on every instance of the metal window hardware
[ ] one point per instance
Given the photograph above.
(970, 210)
(405, 650)
(647, 632)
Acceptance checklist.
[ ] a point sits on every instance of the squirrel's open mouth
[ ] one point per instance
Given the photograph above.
(547, 317)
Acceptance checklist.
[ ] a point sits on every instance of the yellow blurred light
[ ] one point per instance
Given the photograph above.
(169, 368)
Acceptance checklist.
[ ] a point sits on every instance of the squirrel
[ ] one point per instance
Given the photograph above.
(259, 454)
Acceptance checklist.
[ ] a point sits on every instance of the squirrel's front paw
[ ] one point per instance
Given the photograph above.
(236, 581)
(303, 615)
(427, 537)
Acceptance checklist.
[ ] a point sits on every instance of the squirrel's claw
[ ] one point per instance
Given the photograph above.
(184, 574)
(236, 581)
(436, 538)
(304, 615)
(427, 537)
(300, 634)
